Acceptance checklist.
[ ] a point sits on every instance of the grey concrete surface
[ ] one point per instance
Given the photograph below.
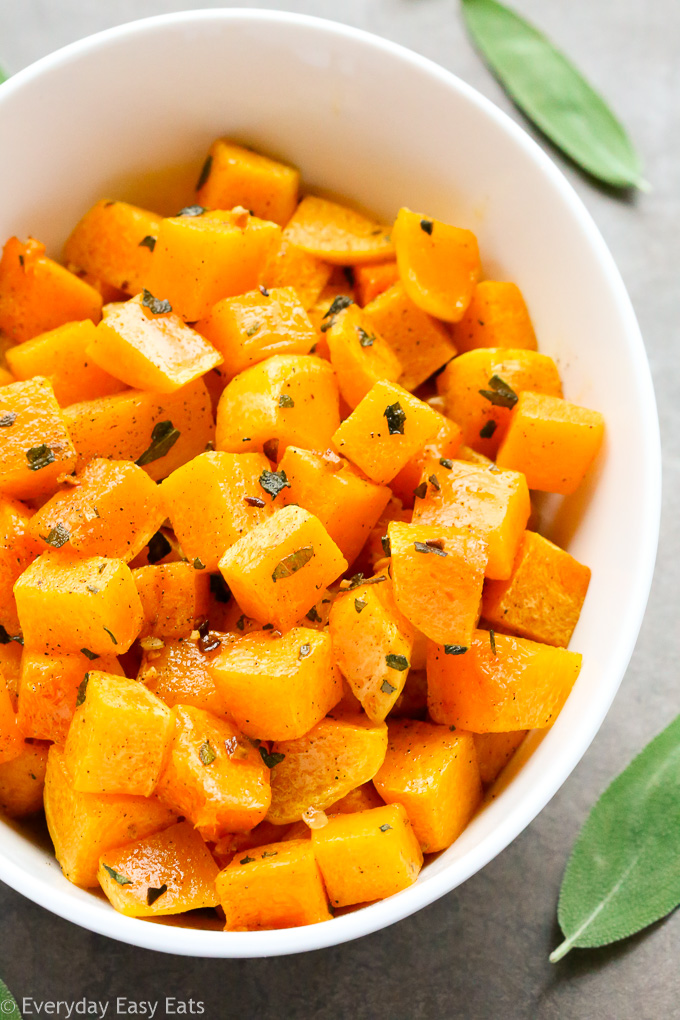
(482, 951)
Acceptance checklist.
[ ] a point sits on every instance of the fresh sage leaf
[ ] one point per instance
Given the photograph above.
(164, 435)
(293, 562)
(274, 482)
(9, 1009)
(152, 894)
(270, 758)
(117, 877)
(39, 457)
(547, 87)
(156, 306)
(623, 872)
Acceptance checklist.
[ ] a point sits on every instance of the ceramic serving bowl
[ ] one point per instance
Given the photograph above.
(373, 122)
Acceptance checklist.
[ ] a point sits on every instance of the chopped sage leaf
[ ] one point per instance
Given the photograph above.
(269, 853)
(148, 242)
(263, 291)
(360, 604)
(446, 463)
(199, 564)
(255, 328)
(387, 688)
(399, 662)
(58, 536)
(358, 579)
(396, 416)
(338, 304)
(192, 210)
(427, 226)
(313, 615)
(205, 173)
(89, 654)
(286, 401)
(254, 501)
(116, 876)
(420, 491)
(158, 548)
(492, 641)
(92, 588)
(153, 894)
(240, 623)
(455, 649)
(207, 753)
(157, 306)
(434, 482)
(247, 860)
(164, 435)
(39, 457)
(7, 419)
(112, 636)
(385, 543)
(365, 339)
(385, 827)
(488, 429)
(274, 482)
(271, 758)
(293, 562)
(219, 588)
(82, 690)
(500, 394)
(304, 651)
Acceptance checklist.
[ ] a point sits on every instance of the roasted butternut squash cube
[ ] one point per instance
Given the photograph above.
(494, 751)
(290, 266)
(11, 737)
(215, 499)
(83, 826)
(500, 683)
(437, 574)
(213, 775)
(173, 597)
(543, 596)
(370, 281)
(113, 242)
(438, 264)
(277, 569)
(200, 259)
(113, 510)
(61, 356)
(433, 773)
(497, 316)
(233, 175)
(179, 674)
(359, 355)
(118, 737)
(66, 605)
(274, 886)
(287, 400)
(367, 855)
(316, 770)
(276, 687)
(421, 343)
(488, 502)
(18, 548)
(372, 644)
(36, 446)
(552, 441)
(37, 294)
(337, 233)
(346, 503)
(385, 430)
(22, 781)
(252, 327)
(441, 451)
(167, 873)
(481, 387)
(159, 432)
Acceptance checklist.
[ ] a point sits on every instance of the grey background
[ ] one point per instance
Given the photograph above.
(482, 951)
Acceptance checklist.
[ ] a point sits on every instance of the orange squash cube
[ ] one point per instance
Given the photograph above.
(500, 683)
(497, 316)
(421, 343)
(552, 442)
(359, 355)
(441, 450)
(290, 266)
(22, 781)
(179, 674)
(494, 751)
(316, 770)
(213, 775)
(200, 259)
(18, 548)
(233, 175)
(367, 855)
(83, 826)
(160, 432)
(488, 502)
(287, 400)
(480, 389)
(67, 605)
(371, 281)
(347, 504)
(438, 264)
(433, 773)
(437, 574)
(278, 687)
(273, 886)
(543, 596)
(337, 234)
(276, 570)
(37, 294)
(113, 242)
(114, 510)
(173, 596)
(167, 873)
(386, 430)
(36, 446)
(11, 737)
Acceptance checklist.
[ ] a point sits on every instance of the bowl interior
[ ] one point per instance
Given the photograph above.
(130, 114)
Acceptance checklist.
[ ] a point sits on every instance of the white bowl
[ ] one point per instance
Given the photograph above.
(369, 120)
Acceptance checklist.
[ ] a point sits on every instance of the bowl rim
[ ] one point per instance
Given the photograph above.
(201, 943)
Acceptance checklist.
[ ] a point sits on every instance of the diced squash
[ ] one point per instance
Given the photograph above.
(36, 446)
(370, 281)
(367, 855)
(433, 773)
(290, 266)
(543, 596)
(337, 234)
(552, 441)
(494, 751)
(421, 343)
(497, 316)
(22, 781)
(163, 432)
(441, 450)
(66, 605)
(37, 294)
(359, 355)
(385, 430)
(316, 770)
(113, 510)
(18, 548)
(289, 399)
(438, 264)
(278, 687)
(61, 356)
(273, 886)
(233, 175)
(83, 826)
(213, 775)
(11, 652)
(173, 597)
(362, 799)
(488, 502)
(500, 683)
(11, 737)
(113, 242)
(437, 574)
(276, 570)
(179, 674)
(167, 873)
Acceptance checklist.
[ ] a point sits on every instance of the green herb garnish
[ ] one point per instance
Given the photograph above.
(293, 562)
(255, 328)
(385, 827)
(247, 860)
(360, 604)
(488, 429)
(286, 401)
(269, 853)
(427, 226)
(446, 463)
(112, 636)
(338, 304)
(153, 894)
(90, 655)
(39, 457)
(148, 242)
(58, 536)
(455, 649)
(386, 545)
(500, 394)
(434, 482)
(387, 688)
(304, 651)
(156, 306)
(420, 491)
(8, 419)
(205, 173)
(399, 662)
(207, 753)
(164, 435)
(396, 416)
(313, 615)
(82, 690)
(274, 482)
(116, 876)
(270, 758)
(492, 641)
(199, 564)
(358, 579)
(365, 339)
(192, 210)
